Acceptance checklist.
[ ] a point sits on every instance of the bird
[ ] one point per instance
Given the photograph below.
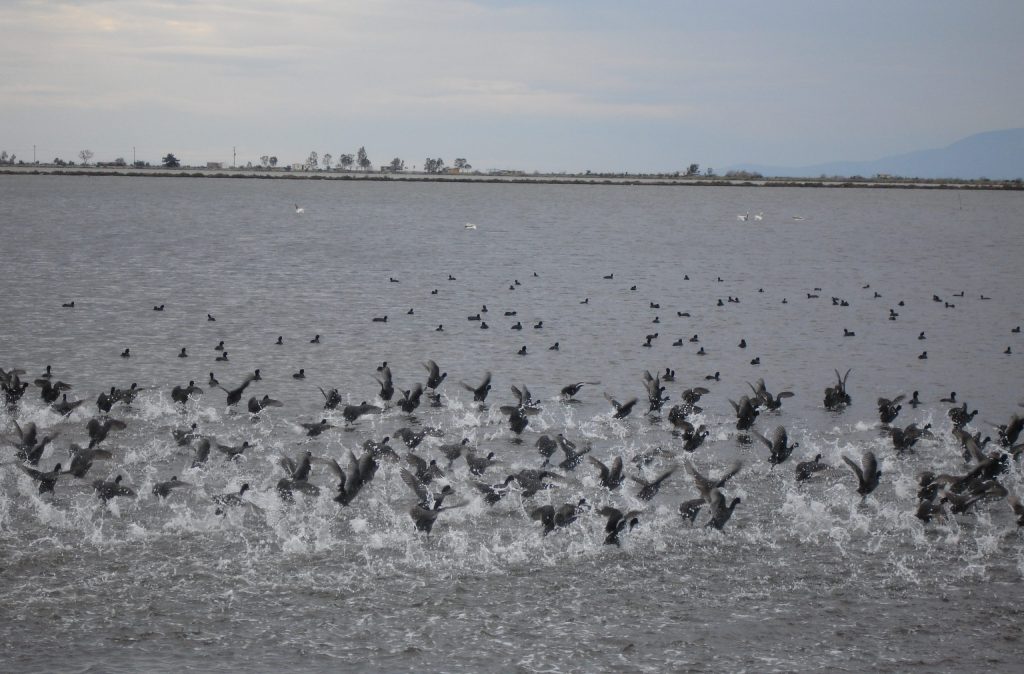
(611, 477)
(493, 493)
(82, 459)
(867, 478)
(805, 470)
(563, 516)
(434, 375)
(352, 412)
(98, 429)
(109, 489)
(164, 489)
(478, 464)
(479, 392)
(836, 396)
(720, 512)
(622, 410)
(257, 405)
(230, 499)
(46, 479)
(778, 446)
(888, 409)
(649, 489)
(573, 458)
(301, 374)
(315, 428)
(617, 522)
(235, 394)
(299, 210)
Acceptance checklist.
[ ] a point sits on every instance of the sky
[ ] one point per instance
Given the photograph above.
(566, 85)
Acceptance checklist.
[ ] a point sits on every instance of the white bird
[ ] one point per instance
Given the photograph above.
(798, 217)
(299, 209)
(759, 216)
(470, 225)
(744, 217)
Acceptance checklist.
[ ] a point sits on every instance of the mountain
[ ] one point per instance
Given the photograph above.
(998, 155)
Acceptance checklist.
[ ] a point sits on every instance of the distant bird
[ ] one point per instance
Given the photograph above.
(766, 399)
(434, 375)
(299, 210)
(837, 396)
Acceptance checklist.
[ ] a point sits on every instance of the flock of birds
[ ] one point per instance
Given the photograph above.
(431, 464)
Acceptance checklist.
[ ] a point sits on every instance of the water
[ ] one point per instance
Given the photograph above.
(803, 578)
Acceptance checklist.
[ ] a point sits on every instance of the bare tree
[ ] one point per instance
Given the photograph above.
(85, 156)
(326, 161)
(265, 160)
(312, 162)
(362, 159)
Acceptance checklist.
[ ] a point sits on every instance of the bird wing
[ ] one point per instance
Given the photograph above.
(854, 467)
(418, 487)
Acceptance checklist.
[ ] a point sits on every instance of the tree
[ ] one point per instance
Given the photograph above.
(710, 172)
(362, 159)
(693, 170)
(462, 164)
(85, 155)
(433, 165)
(326, 161)
(170, 161)
(265, 160)
(397, 165)
(345, 161)
(273, 161)
(312, 161)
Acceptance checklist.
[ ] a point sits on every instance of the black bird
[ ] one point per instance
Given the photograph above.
(434, 375)
(778, 446)
(257, 405)
(951, 398)
(493, 493)
(836, 396)
(185, 436)
(46, 480)
(1008, 433)
(220, 346)
(425, 472)
(546, 446)
(51, 391)
(805, 470)
(904, 439)
(126, 353)
(765, 398)
(452, 452)
(655, 390)
(412, 439)
(82, 459)
(108, 489)
(301, 374)
(98, 430)
(693, 438)
(428, 500)
(387, 386)
(213, 380)
(914, 400)
(622, 410)
(690, 509)
(720, 512)
(179, 394)
(531, 481)
(235, 395)
(479, 392)
(1018, 509)
(361, 472)
(331, 398)
(164, 489)
(746, 413)
(960, 416)
(617, 523)
(233, 451)
(517, 419)
(648, 490)
(705, 485)
(867, 479)
(573, 458)
(202, 453)
(478, 465)
(352, 412)
(411, 399)
(65, 407)
(563, 516)
(30, 447)
(611, 477)
(315, 428)
(231, 499)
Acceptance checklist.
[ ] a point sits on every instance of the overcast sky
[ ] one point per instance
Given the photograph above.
(563, 85)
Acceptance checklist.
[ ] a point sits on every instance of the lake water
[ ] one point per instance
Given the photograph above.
(804, 577)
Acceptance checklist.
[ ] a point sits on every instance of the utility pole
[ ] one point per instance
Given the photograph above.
(33, 153)
(133, 155)
(234, 156)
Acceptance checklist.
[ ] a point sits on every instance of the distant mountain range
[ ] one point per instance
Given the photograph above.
(998, 155)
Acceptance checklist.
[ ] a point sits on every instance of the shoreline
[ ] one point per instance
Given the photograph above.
(525, 179)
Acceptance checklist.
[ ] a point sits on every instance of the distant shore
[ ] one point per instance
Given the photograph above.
(517, 178)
